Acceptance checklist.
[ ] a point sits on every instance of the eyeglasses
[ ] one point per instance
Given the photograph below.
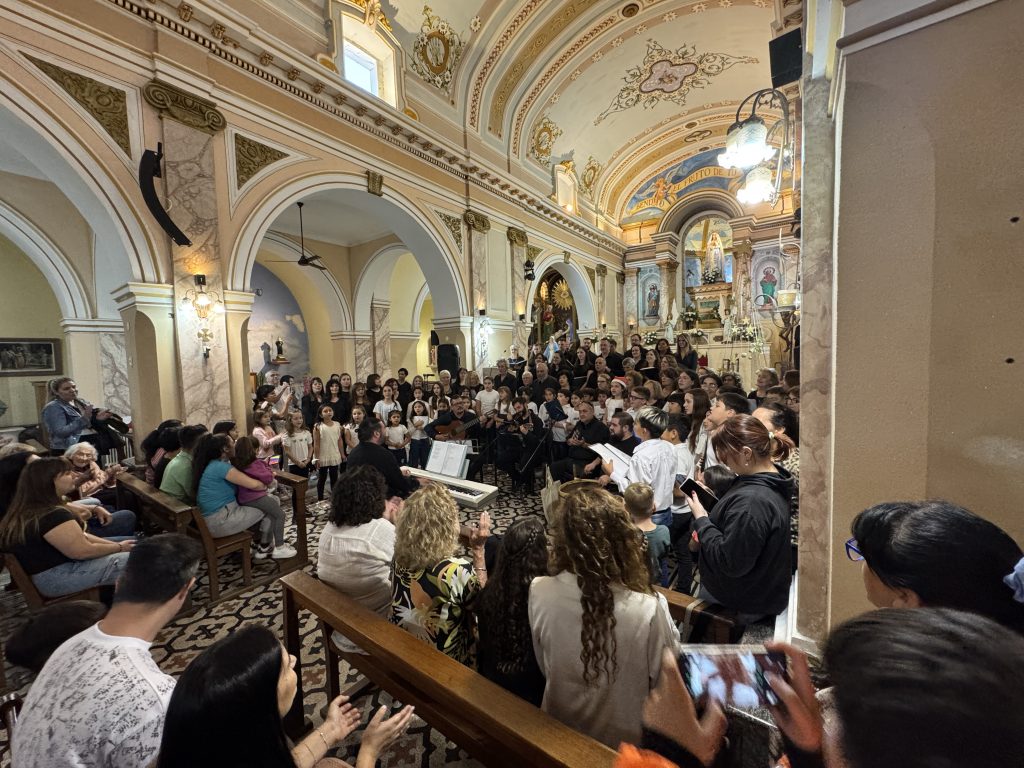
(852, 552)
(635, 397)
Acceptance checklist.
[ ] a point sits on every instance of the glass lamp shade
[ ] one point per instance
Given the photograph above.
(757, 188)
(746, 144)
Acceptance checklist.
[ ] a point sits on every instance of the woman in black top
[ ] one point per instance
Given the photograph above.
(505, 647)
(685, 355)
(374, 393)
(312, 402)
(338, 402)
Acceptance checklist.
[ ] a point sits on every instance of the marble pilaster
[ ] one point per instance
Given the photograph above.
(381, 330)
(601, 273)
(237, 311)
(620, 279)
(629, 304)
(666, 253)
(816, 363)
(192, 197)
(518, 243)
(478, 226)
(364, 357)
(114, 364)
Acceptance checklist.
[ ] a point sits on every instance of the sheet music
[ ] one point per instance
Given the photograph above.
(436, 458)
(619, 460)
(447, 458)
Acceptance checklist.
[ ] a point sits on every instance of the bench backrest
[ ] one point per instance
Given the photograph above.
(524, 734)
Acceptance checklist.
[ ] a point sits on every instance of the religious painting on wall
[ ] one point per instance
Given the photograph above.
(30, 357)
(554, 309)
(709, 239)
(767, 276)
(649, 294)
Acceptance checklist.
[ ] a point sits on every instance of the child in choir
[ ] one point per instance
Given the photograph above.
(386, 405)
(601, 406)
(396, 436)
(266, 436)
(328, 448)
(298, 444)
(563, 419)
(272, 526)
(639, 500)
(417, 394)
(617, 401)
(419, 443)
(350, 432)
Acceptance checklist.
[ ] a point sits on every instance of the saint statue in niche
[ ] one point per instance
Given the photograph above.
(716, 255)
(280, 346)
(769, 284)
(653, 300)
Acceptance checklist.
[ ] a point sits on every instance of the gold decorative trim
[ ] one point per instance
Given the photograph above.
(532, 252)
(476, 222)
(453, 224)
(179, 105)
(107, 105)
(375, 183)
(602, 270)
(545, 134)
(517, 236)
(251, 157)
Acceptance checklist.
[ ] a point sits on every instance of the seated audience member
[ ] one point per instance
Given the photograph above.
(245, 461)
(371, 452)
(67, 417)
(598, 626)
(226, 427)
(170, 444)
(227, 707)
(100, 698)
(639, 501)
(938, 555)
(216, 488)
(93, 481)
(49, 540)
(152, 453)
(357, 545)
(48, 629)
(588, 431)
(505, 648)
(745, 547)
(908, 685)
(11, 467)
(432, 589)
(177, 480)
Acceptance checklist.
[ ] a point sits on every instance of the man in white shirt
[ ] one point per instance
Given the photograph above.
(653, 462)
(100, 700)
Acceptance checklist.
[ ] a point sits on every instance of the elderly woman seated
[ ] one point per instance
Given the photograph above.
(96, 490)
(433, 589)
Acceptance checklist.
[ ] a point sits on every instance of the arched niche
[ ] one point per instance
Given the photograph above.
(699, 202)
(579, 284)
(374, 282)
(417, 233)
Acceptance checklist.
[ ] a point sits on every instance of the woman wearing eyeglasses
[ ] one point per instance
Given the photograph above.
(938, 555)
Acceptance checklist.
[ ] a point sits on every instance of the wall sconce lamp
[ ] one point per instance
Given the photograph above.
(203, 302)
(528, 272)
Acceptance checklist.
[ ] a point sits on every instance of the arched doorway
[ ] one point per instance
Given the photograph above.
(554, 308)
(579, 286)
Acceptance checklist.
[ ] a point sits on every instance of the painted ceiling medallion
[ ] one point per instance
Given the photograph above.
(436, 51)
(589, 178)
(544, 137)
(667, 75)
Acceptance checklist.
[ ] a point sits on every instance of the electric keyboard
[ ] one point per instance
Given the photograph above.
(465, 492)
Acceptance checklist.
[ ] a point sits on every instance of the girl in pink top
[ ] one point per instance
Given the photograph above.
(246, 461)
(265, 435)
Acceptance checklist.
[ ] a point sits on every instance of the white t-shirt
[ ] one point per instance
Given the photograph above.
(417, 425)
(299, 445)
(396, 436)
(99, 701)
(488, 401)
(611, 405)
(382, 409)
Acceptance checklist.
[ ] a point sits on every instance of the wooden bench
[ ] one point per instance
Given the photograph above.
(714, 623)
(33, 596)
(491, 724)
(170, 514)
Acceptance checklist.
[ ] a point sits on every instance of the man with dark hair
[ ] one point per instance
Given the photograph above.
(100, 700)
(177, 479)
(653, 462)
(725, 406)
(588, 431)
(403, 392)
(543, 381)
(621, 429)
(371, 451)
(612, 358)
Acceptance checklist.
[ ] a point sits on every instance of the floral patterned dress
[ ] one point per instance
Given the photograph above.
(433, 603)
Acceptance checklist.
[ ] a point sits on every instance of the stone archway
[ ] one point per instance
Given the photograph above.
(579, 284)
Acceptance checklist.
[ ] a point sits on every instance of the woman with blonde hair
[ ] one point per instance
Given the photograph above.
(432, 589)
(598, 626)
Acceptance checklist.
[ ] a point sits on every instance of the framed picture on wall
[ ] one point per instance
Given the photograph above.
(30, 357)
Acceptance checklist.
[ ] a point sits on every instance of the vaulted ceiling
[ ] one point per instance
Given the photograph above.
(623, 89)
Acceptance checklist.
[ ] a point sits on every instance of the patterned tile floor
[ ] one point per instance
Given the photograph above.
(183, 639)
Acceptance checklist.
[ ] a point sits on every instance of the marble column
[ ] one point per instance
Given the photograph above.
(629, 306)
(95, 356)
(478, 226)
(151, 358)
(237, 311)
(518, 244)
(816, 363)
(620, 279)
(601, 272)
(381, 330)
(190, 128)
(364, 355)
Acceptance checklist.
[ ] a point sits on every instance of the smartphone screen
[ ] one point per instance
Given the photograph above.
(705, 496)
(732, 675)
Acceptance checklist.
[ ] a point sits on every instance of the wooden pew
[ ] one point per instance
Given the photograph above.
(172, 515)
(493, 725)
(715, 623)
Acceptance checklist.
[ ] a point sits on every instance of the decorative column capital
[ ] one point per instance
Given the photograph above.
(602, 270)
(184, 107)
(375, 183)
(476, 222)
(620, 277)
(517, 236)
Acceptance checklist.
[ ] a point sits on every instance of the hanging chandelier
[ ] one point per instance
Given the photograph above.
(749, 147)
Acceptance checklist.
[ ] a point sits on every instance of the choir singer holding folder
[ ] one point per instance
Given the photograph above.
(653, 462)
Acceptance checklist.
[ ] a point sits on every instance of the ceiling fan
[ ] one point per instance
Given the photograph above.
(307, 261)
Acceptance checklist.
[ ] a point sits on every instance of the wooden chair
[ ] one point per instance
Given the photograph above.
(216, 548)
(33, 596)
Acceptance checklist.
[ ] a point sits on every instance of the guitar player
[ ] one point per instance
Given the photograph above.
(458, 425)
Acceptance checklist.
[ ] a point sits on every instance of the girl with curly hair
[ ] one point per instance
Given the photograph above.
(598, 626)
(432, 589)
(505, 649)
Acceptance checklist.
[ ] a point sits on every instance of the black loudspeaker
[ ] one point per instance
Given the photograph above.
(449, 359)
(787, 58)
(435, 340)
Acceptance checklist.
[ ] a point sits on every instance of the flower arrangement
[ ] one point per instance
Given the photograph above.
(712, 275)
(744, 331)
(651, 338)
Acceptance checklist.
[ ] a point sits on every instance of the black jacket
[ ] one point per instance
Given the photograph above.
(381, 459)
(745, 544)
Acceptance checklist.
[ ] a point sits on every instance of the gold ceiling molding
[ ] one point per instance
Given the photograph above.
(532, 252)
(588, 179)
(496, 50)
(545, 134)
(251, 157)
(528, 55)
(436, 51)
(184, 107)
(107, 105)
(453, 224)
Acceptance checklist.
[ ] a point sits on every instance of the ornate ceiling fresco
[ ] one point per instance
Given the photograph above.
(624, 90)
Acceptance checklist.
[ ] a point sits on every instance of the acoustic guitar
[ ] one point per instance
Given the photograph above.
(454, 429)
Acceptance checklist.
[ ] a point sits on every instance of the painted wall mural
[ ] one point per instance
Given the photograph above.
(657, 195)
(767, 275)
(276, 315)
(667, 75)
